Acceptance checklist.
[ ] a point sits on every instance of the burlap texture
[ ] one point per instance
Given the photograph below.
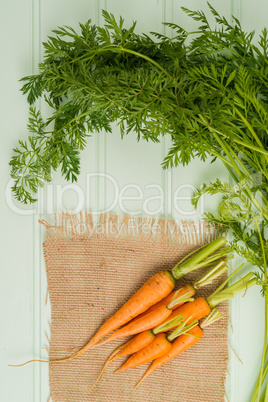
(91, 272)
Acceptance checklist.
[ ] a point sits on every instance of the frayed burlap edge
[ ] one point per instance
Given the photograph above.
(68, 225)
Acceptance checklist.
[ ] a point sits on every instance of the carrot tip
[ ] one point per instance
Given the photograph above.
(138, 383)
(30, 361)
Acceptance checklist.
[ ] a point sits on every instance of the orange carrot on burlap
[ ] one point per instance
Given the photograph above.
(151, 292)
(194, 310)
(180, 344)
(159, 347)
(190, 312)
(154, 290)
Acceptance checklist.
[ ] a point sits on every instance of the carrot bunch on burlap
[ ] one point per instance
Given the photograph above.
(155, 345)
(172, 302)
(153, 291)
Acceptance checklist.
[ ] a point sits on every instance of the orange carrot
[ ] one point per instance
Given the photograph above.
(200, 305)
(180, 344)
(178, 297)
(187, 336)
(154, 290)
(138, 342)
(159, 347)
(184, 290)
(191, 311)
(148, 321)
(151, 292)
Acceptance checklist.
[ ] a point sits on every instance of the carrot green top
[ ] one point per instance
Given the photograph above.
(202, 258)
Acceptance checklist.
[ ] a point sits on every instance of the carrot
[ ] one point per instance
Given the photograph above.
(151, 292)
(180, 344)
(195, 310)
(188, 290)
(155, 349)
(186, 313)
(200, 307)
(154, 290)
(187, 336)
(159, 347)
(148, 321)
(137, 343)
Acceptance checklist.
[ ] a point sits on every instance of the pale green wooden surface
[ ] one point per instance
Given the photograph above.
(24, 316)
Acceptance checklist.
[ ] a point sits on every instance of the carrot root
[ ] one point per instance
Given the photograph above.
(112, 357)
(29, 361)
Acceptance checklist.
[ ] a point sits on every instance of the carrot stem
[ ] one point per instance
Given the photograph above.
(264, 374)
(179, 300)
(227, 280)
(214, 316)
(182, 329)
(228, 293)
(169, 324)
(209, 277)
(197, 261)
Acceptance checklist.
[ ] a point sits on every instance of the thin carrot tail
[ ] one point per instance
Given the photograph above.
(149, 371)
(66, 359)
(108, 361)
(30, 361)
(88, 346)
(112, 357)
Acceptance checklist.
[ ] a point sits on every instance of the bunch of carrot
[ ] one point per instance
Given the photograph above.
(151, 292)
(155, 308)
(155, 345)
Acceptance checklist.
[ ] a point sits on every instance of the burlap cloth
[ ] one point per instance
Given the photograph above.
(91, 272)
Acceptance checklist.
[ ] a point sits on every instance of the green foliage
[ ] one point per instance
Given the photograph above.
(236, 213)
(209, 94)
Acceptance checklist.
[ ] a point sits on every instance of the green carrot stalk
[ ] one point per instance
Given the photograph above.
(184, 327)
(259, 384)
(211, 275)
(228, 293)
(169, 324)
(201, 259)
